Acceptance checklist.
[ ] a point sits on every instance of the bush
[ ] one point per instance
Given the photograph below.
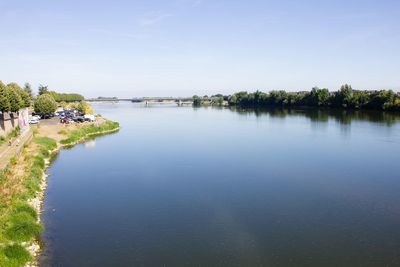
(16, 255)
(23, 227)
(23, 207)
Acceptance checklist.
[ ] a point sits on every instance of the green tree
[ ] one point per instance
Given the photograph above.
(360, 99)
(217, 100)
(26, 100)
(43, 89)
(319, 97)
(232, 100)
(44, 104)
(28, 90)
(344, 97)
(16, 101)
(5, 104)
(84, 107)
(197, 100)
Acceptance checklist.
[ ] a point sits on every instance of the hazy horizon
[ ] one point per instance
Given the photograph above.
(187, 47)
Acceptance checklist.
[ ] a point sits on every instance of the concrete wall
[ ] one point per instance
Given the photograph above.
(8, 121)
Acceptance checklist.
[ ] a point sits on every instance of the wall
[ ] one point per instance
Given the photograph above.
(8, 122)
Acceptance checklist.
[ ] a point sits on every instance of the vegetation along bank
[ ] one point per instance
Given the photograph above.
(23, 181)
(345, 98)
(22, 186)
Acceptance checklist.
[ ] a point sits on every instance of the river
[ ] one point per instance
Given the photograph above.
(183, 186)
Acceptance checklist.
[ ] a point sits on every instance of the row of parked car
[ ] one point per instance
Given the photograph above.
(73, 116)
(66, 116)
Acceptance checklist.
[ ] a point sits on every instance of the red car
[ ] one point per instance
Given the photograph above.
(65, 120)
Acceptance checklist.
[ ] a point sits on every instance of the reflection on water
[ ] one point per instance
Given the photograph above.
(324, 115)
(183, 186)
(90, 144)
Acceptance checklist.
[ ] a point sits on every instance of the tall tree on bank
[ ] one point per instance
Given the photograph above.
(5, 104)
(16, 102)
(45, 104)
(43, 89)
(25, 99)
(28, 90)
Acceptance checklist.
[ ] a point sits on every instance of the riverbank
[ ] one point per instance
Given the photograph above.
(23, 184)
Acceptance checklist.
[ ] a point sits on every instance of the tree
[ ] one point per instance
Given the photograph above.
(217, 100)
(344, 97)
(24, 96)
(84, 107)
(232, 100)
(5, 104)
(16, 102)
(66, 97)
(26, 99)
(197, 100)
(28, 90)
(45, 104)
(360, 99)
(319, 97)
(43, 89)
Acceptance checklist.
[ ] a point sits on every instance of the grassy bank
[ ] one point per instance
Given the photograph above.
(19, 183)
(85, 131)
(21, 190)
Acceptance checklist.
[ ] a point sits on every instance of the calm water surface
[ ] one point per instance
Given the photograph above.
(179, 186)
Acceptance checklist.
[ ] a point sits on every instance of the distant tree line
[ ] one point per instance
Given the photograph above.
(60, 97)
(66, 97)
(346, 98)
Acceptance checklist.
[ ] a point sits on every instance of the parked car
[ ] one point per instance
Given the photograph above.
(66, 120)
(45, 116)
(90, 118)
(33, 120)
(79, 119)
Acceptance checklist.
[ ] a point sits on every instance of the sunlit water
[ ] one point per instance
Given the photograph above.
(179, 186)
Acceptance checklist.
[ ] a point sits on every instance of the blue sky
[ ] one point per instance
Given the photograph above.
(186, 47)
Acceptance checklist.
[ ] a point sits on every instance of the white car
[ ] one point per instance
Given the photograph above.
(89, 117)
(33, 120)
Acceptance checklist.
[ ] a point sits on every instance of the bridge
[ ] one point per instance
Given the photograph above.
(180, 101)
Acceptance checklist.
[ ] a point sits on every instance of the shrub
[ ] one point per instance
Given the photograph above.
(23, 207)
(16, 255)
(13, 160)
(23, 227)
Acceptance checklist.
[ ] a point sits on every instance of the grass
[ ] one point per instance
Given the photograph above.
(13, 160)
(63, 132)
(87, 130)
(23, 227)
(14, 256)
(15, 132)
(18, 220)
